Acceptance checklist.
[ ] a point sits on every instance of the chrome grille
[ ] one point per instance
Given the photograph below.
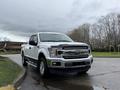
(74, 47)
(75, 52)
(75, 56)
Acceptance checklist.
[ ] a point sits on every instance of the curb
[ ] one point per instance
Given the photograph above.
(9, 87)
(20, 78)
(17, 82)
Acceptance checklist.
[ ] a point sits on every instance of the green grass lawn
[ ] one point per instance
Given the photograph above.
(106, 54)
(8, 71)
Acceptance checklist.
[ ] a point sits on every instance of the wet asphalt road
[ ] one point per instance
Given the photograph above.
(104, 75)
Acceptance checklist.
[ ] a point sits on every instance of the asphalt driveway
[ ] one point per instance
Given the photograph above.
(104, 75)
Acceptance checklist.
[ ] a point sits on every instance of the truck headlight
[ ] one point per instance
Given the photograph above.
(54, 52)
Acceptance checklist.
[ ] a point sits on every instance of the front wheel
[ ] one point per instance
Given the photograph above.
(83, 72)
(24, 63)
(43, 68)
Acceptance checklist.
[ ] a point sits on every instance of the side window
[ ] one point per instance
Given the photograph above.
(33, 40)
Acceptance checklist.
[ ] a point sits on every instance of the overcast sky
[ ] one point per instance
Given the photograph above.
(20, 18)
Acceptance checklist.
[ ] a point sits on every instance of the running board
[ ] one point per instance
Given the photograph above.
(30, 63)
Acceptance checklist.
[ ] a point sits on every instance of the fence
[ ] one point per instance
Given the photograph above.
(5, 46)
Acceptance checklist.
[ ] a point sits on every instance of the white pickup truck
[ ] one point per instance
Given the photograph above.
(50, 51)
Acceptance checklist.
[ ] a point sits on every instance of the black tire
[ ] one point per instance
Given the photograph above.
(82, 72)
(24, 63)
(43, 69)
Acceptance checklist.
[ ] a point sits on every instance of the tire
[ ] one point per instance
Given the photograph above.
(83, 72)
(24, 63)
(43, 69)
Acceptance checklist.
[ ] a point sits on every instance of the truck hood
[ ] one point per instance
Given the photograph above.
(49, 44)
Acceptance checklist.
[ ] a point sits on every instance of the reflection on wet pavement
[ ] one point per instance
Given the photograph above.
(57, 81)
(105, 73)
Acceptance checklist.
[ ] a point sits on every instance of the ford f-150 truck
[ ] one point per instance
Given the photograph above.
(49, 51)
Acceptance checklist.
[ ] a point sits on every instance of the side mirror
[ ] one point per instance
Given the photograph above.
(33, 43)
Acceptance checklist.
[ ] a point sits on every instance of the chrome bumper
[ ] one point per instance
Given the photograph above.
(69, 63)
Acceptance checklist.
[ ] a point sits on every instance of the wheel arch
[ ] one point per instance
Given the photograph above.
(41, 55)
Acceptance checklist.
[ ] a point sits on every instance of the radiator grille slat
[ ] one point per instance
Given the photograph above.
(74, 52)
(75, 47)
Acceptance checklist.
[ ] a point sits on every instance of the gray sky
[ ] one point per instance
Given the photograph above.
(19, 18)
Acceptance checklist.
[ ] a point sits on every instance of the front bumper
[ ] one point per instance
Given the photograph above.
(61, 63)
(69, 70)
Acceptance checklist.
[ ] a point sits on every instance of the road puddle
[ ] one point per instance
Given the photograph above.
(98, 88)
(64, 82)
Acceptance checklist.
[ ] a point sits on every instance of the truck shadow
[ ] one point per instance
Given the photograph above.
(62, 81)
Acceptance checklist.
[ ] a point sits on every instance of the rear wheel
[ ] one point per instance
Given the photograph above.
(43, 69)
(24, 63)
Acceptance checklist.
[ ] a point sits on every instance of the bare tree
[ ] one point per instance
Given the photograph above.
(101, 35)
(80, 34)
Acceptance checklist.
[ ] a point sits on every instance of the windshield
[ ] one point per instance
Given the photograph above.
(48, 37)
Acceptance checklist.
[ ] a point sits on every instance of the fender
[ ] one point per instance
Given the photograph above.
(44, 51)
